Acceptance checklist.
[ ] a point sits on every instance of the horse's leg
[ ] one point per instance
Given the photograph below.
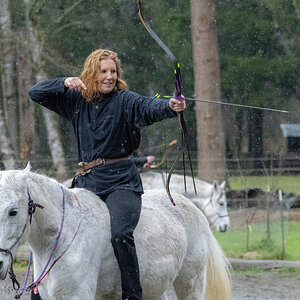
(171, 294)
(162, 297)
(70, 290)
(191, 288)
(64, 296)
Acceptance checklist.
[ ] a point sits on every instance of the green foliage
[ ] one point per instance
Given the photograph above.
(257, 65)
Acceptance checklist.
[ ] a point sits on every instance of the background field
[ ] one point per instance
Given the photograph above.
(286, 183)
(262, 237)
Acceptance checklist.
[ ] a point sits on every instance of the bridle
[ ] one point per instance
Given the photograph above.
(34, 286)
(210, 202)
(31, 209)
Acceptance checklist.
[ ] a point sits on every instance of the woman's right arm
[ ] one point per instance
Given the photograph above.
(55, 95)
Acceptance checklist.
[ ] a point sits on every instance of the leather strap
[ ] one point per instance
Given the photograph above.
(85, 166)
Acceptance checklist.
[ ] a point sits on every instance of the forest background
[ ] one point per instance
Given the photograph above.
(257, 59)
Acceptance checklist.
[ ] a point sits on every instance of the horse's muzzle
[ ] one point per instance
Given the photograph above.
(4, 263)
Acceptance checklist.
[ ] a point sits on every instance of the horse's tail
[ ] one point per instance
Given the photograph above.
(218, 285)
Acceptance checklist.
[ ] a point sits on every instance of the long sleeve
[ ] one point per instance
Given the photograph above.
(53, 95)
(145, 111)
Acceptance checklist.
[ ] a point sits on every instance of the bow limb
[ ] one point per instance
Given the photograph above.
(177, 84)
(164, 156)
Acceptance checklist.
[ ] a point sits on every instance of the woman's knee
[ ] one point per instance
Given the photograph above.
(122, 237)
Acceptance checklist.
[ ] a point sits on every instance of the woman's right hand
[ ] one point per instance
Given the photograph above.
(75, 83)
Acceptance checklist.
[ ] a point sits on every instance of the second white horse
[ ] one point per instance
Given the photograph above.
(210, 198)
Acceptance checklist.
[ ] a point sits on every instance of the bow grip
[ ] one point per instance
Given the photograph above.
(177, 88)
(179, 97)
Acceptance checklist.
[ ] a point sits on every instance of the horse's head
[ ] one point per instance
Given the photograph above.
(214, 206)
(13, 212)
(219, 207)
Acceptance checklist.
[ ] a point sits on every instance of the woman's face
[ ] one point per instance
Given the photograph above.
(107, 77)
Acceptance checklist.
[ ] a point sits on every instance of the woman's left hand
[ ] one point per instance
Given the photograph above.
(177, 105)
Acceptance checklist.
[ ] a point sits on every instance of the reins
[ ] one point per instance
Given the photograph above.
(31, 209)
(34, 286)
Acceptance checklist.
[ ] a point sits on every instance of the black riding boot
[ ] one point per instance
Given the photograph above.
(35, 296)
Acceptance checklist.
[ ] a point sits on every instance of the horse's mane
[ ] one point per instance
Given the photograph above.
(43, 186)
(35, 179)
(37, 183)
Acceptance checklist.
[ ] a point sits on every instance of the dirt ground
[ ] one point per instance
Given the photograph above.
(245, 286)
(265, 286)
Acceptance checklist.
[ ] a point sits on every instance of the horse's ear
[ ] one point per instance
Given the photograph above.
(222, 185)
(216, 185)
(21, 178)
(27, 169)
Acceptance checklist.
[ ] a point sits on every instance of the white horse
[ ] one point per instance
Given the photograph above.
(175, 245)
(210, 198)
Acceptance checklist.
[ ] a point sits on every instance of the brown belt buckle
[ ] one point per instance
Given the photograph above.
(81, 164)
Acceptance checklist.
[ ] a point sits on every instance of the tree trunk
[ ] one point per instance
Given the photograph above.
(10, 105)
(52, 124)
(6, 151)
(210, 131)
(8, 143)
(26, 107)
(255, 135)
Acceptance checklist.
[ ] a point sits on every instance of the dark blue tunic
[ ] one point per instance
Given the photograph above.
(107, 129)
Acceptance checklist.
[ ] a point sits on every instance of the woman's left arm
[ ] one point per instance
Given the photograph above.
(143, 111)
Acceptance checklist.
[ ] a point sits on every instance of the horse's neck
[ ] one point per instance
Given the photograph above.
(46, 221)
(204, 188)
(204, 194)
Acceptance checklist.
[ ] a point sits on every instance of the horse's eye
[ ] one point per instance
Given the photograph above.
(13, 212)
(221, 203)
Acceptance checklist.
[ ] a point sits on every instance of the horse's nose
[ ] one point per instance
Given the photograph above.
(3, 269)
(223, 228)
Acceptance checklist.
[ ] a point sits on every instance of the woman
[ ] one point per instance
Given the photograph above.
(107, 119)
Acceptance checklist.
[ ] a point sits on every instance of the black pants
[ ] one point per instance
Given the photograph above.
(124, 208)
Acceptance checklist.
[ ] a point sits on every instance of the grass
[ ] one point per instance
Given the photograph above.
(286, 183)
(233, 242)
(20, 265)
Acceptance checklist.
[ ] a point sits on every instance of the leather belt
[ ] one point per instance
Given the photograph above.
(86, 166)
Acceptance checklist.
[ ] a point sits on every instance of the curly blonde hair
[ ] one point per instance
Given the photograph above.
(91, 69)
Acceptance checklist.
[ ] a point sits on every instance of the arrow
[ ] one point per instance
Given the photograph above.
(232, 104)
